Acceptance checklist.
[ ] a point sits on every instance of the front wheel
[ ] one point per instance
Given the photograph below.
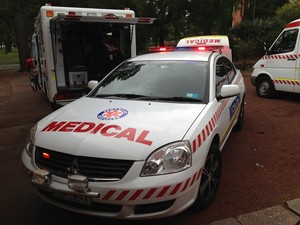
(210, 179)
(265, 88)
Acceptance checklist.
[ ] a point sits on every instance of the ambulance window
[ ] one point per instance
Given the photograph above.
(230, 70)
(221, 75)
(286, 42)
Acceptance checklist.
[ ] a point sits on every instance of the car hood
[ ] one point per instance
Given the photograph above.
(122, 129)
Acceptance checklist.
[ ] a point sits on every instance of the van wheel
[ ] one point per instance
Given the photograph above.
(265, 88)
(210, 179)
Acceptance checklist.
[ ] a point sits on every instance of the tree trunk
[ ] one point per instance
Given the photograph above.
(21, 33)
(161, 36)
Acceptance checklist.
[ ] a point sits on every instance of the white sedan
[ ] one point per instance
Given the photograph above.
(145, 142)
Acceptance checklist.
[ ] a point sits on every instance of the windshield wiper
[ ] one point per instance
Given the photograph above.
(121, 95)
(144, 97)
(175, 99)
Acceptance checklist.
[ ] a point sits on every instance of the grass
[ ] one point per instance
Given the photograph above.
(11, 57)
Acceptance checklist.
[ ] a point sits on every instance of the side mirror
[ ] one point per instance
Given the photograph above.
(30, 63)
(92, 84)
(228, 90)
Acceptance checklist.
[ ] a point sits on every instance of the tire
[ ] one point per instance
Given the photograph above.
(265, 88)
(210, 179)
(239, 124)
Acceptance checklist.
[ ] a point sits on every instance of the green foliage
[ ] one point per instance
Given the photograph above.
(207, 17)
(262, 9)
(175, 19)
(169, 16)
(9, 58)
(251, 36)
(289, 11)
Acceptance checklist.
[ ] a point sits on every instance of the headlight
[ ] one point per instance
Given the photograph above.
(29, 141)
(171, 158)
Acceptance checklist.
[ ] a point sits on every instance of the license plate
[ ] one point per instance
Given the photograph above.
(73, 197)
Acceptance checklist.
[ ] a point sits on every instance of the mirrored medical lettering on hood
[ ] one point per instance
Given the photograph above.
(116, 131)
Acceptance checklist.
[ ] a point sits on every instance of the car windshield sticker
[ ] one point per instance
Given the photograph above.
(112, 114)
(192, 95)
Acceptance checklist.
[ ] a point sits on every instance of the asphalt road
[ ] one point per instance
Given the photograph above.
(260, 164)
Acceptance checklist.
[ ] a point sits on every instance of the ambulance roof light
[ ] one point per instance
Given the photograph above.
(162, 49)
(201, 48)
(49, 13)
(111, 16)
(210, 48)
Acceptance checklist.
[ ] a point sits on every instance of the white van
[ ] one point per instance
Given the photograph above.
(278, 69)
(69, 48)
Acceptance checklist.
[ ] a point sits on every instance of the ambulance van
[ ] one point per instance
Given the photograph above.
(69, 48)
(279, 68)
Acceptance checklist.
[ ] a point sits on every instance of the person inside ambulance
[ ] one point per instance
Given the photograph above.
(115, 54)
(97, 60)
(103, 57)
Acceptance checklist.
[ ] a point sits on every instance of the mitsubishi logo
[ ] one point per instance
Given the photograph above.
(73, 169)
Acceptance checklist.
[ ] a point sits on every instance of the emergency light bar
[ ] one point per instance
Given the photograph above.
(161, 49)
(198, 48)
(201, 48)
(206, 43)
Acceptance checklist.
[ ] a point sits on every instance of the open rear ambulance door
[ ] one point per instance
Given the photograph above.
(77, 42)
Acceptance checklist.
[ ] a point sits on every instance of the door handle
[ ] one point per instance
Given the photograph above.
(291, 59)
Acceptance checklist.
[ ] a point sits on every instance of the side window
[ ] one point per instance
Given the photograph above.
(230, 69)
(221, 75)
(285, 43)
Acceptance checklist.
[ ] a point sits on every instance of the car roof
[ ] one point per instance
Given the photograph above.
(175, 55)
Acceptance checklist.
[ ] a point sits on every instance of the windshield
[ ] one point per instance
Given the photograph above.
(156, 80)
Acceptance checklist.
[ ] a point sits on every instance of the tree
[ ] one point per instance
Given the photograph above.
(207, 17)
(251, 36)
(16, 20)
(262, 9)
(6, 26)
(175, 19)
(21, 31)
(289, 11)
(167, 14)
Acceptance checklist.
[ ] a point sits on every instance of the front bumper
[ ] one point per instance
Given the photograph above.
(133, 197)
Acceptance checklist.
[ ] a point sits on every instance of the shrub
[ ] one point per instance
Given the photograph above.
(251, 36)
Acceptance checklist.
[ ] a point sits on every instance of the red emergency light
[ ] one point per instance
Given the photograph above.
(210, 48)
(46, 155)
(202, 48)
(30, 63)
(111, 16)
(72, 13)
(161, 49)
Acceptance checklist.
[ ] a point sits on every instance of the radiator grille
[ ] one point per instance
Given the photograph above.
(61, 164)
